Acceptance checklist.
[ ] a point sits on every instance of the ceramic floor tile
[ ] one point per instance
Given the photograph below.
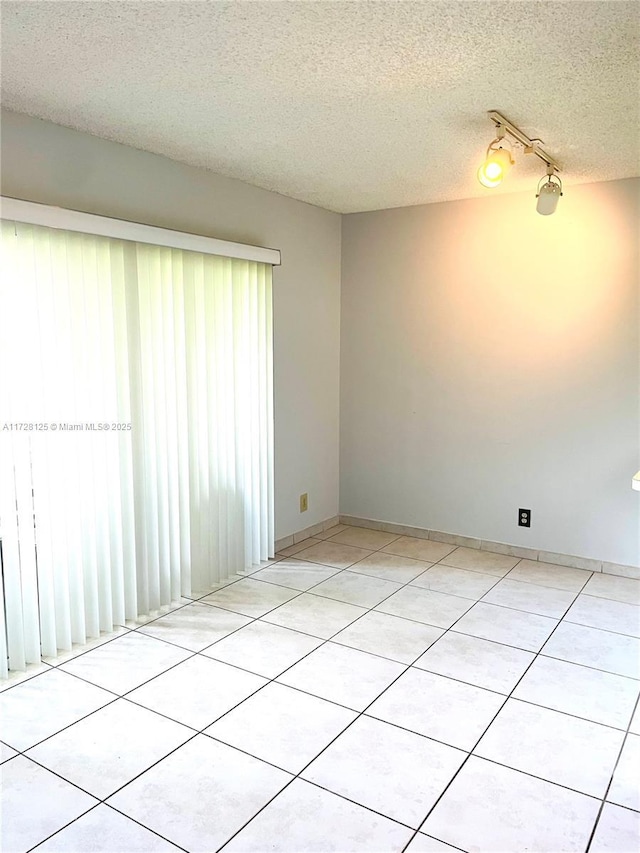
(454, 581)
(194, 627)
(197, 691)
(201, 794)
(512, 627)
(343, 675)
(510, 812)
(34, 804)
(126, 663)
(104, 830)
(250, 597)
(331, 553)
(475, 661)
(217, 623)
(542, 600)
(423, 605)
(616, 616)
(579, 690)
(635, 722)
(618, 831)
(625, 790)
(65, 698)
(6, 753)
(294, 549)
(549, 574)
(262, 648)
(311, 614)
(106, 750)
(422, 843)
(390, 778)
(480, 561)
(390, 567)
(356, 589)
(389, 636)
(296, 574)
(419, 549)
(362, 537)
(437, 707)
(614, 587)
(593, 647)
(283, 726)
(553, 746)
(306, 818)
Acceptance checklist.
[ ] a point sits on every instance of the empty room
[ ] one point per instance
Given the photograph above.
(320, 426)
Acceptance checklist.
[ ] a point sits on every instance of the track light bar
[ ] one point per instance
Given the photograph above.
(531, 146)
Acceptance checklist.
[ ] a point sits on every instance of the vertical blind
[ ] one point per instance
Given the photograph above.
(136, 431)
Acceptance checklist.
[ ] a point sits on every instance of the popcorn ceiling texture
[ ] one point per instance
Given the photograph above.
(348, 105)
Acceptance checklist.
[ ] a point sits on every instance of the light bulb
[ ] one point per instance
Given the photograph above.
(495, 167)
(485, 180)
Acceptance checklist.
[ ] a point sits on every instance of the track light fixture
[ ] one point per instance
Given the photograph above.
(499, 160)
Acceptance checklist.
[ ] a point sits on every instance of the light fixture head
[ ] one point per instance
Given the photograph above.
(496, 165)
(549, 193)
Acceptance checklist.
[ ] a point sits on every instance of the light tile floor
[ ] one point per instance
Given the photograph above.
(353, 695)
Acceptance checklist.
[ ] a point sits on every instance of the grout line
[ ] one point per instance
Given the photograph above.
(35, 847)
(598, 628)
(613, 773)
(97, 805)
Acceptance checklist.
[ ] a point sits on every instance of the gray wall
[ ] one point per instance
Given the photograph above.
(50, 164)
(490, 361)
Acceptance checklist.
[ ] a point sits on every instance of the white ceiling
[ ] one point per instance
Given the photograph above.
(348, 105)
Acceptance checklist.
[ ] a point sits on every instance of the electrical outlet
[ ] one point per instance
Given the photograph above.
(524, 518)
(304, 502)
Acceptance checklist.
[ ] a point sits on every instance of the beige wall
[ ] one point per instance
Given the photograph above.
(53, 165)
(490, 361)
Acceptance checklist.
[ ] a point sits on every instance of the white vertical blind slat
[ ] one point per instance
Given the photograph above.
(171, 273)
(67, 408)
(43, 462)
(181, 423)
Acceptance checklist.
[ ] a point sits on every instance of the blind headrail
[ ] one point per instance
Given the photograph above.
(121, 229)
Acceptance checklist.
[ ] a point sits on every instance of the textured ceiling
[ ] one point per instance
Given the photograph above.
(347, 105)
